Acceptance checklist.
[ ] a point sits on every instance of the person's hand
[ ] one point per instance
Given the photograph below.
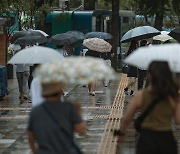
(112, 54)
(121, 138)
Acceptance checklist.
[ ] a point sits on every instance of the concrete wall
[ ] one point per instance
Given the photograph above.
(3, 48)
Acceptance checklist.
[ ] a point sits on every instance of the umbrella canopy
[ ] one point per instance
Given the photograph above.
(163, 36)
(77, 34)
(97, 44)
(30, 40)
(35, 55)
(25, 34)
(102, 35)
(175, 33)
(42, 32)
(63, 39)
(79, 70)
(139, 33)
(143, 56)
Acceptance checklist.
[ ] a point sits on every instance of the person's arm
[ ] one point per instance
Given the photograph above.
(176, 105)
(80, 128)
(132, 108)
(31, 140)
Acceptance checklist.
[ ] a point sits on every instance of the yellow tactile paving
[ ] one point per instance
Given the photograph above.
(108, 142)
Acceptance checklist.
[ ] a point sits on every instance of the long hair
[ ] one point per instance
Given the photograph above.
(133, 46)
(162, 80)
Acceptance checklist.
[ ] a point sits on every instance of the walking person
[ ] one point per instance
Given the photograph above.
(52, 123)
(141, 73)
(107, 57)
(156, 133)
(22, 74)
(132, 73)
(92, 85)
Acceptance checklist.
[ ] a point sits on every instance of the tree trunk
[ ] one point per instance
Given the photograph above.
(115, 31)
(158, 21)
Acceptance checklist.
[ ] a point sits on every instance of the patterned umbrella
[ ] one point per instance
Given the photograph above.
(97, 44)
(163, 36)
(79, 70)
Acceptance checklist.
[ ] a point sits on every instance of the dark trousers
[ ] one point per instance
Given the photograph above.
(31, 76)
(141, 78)
(153, 142)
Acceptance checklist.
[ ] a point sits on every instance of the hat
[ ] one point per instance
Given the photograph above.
(51, 88)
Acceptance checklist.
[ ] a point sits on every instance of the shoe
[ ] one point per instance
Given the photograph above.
(126, 91)
(93, 93)
(25, 97)
(132, 92)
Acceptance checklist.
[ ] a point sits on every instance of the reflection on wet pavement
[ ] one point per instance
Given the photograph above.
(102, 113)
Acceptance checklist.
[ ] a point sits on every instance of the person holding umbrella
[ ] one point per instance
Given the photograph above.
(132, 73)
(156, 135)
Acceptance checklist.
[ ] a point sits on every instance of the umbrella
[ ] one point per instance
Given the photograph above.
(42, 32)
(140, 33)
(163, 36)
(30, 40)
(76, 70)
(77, 34)
(26, 33)
(102, 35)
(175, 33)
(143, 56)
(97, 44)
(35, 55)
(63, 39)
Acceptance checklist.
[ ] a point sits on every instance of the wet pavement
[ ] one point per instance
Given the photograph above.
(102, 113)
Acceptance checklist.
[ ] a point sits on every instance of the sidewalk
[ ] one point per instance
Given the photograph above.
(102, 113)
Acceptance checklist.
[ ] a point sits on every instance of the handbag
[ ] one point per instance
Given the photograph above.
(125, 68)
(139, 120)
(67, 136)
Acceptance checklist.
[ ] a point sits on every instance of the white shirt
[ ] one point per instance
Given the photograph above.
(36, 92)
(22, 67)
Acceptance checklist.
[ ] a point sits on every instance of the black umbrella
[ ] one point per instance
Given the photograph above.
(63, 39)
(30, 40)
(139, 33)
(102, 35)
(77, 34)
(175, 33)
(24, 34)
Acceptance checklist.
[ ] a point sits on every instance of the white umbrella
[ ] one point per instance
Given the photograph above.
(143, 56)
(163, 36)
(35, 55)
(78, 70)
(139, 33)
(97, 44)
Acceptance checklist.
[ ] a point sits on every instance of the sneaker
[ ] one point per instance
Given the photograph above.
(25, 97)
(132, 92)
(126, 91)
(93, 93)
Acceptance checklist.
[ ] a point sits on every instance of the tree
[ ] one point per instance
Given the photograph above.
(157, 8)
(176, 8)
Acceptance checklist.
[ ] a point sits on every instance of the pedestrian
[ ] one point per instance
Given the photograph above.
(52, 123)
(92, 85)
(61, 50)
(22, 74)
(156, 133)
(132, 73)
(107, 57)
(141, 73)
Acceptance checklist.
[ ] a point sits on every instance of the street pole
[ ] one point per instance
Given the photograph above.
(115, 31)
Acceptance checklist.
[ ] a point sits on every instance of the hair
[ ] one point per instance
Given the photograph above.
(143, 43)
(133, 46)
(162, 80)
